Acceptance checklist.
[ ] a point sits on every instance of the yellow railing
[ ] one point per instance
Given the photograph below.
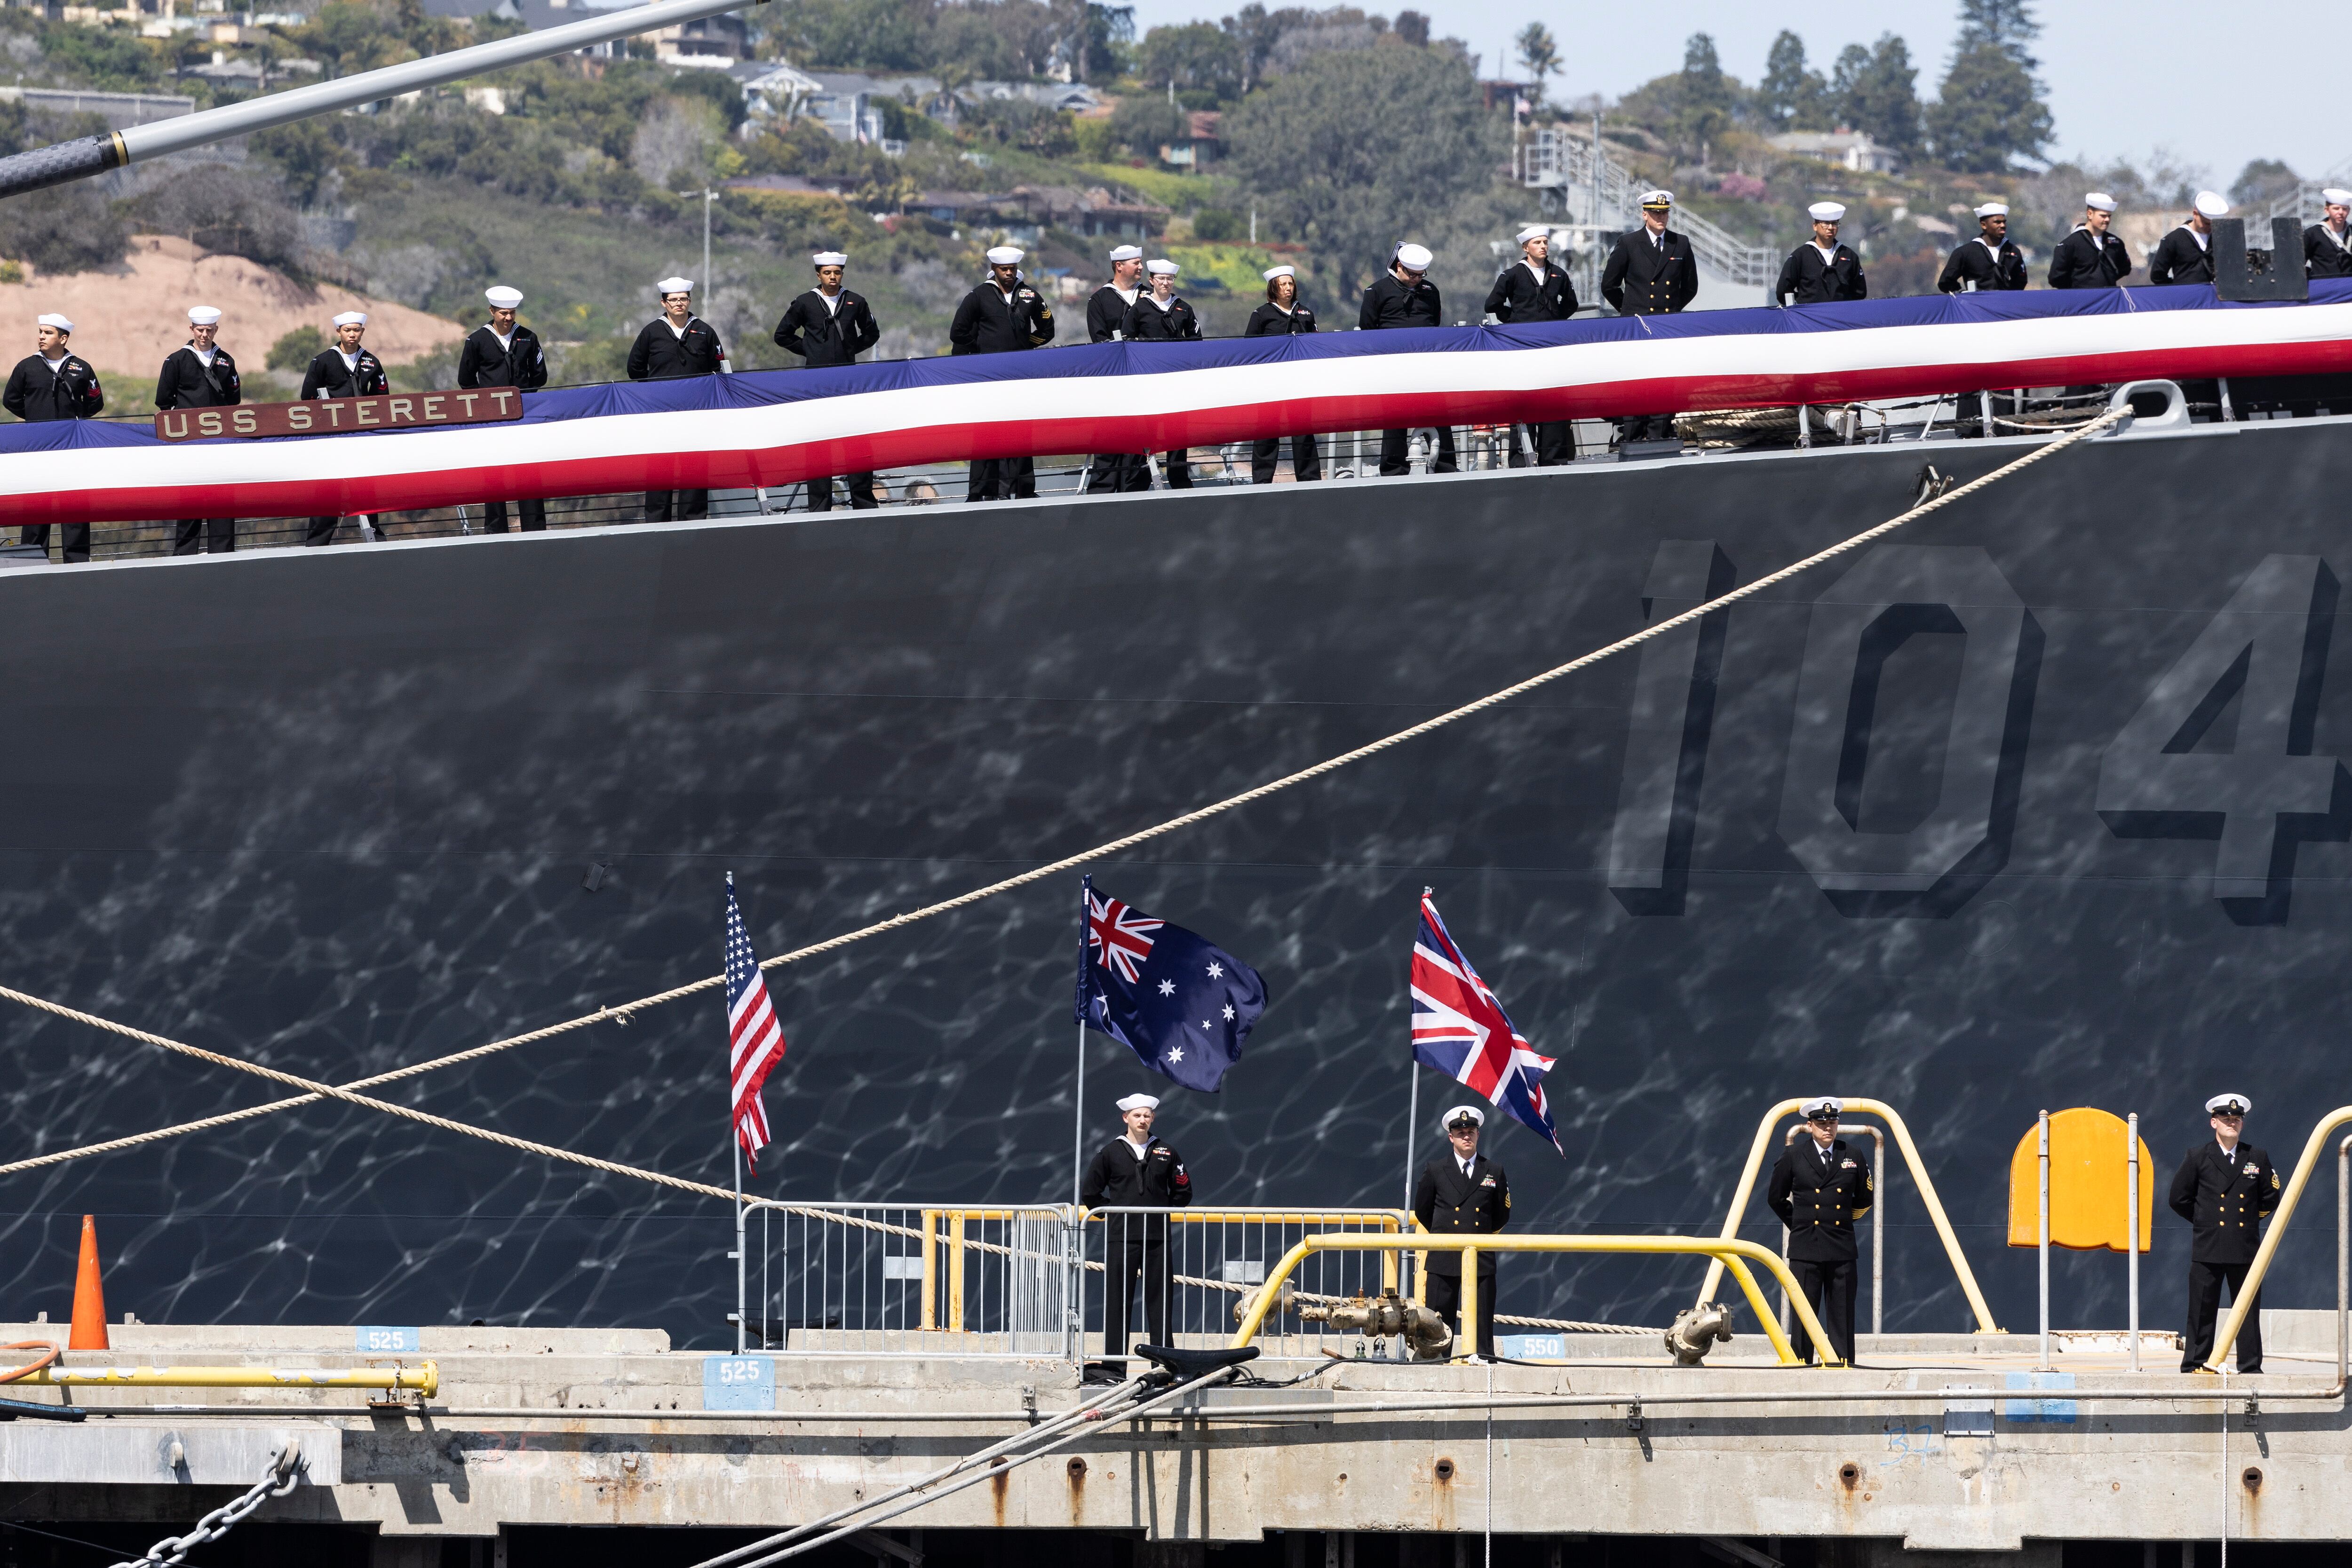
(1934, 1204)
(1726, 1252)
(2312, 1149)
(423, 1378)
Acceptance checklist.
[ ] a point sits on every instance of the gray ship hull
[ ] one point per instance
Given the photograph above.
(1910, 827)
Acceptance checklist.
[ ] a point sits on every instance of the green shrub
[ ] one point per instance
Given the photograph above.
(297, 349)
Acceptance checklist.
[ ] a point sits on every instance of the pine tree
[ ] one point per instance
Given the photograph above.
(1706, 97)
(1875, 92)
(2004, 25)
(1990, 114)
(1791, 96)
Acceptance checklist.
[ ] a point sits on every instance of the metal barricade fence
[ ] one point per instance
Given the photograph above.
(867, 1280)
(1215, 1260)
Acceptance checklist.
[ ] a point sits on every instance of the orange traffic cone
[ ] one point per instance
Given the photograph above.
(90, 1297)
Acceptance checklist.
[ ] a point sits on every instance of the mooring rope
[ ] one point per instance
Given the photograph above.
(621, 1014)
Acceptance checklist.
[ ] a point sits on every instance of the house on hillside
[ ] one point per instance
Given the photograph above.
(1199, 146)
(711, 43)
(1851, 149)
(773, 89)
(1030, 210)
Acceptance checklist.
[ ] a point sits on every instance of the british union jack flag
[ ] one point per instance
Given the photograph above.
(1459, 1027)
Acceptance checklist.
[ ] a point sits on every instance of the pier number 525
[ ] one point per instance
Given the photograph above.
(2265, 650)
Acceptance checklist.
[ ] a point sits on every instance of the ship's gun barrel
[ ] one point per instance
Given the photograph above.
(65, 161)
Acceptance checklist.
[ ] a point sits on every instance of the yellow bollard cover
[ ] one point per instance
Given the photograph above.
(2088, 1180)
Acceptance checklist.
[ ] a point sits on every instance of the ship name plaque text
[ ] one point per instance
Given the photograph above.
(328, 415)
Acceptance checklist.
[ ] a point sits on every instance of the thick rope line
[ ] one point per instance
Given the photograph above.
(622, 1012)
(329, 1091)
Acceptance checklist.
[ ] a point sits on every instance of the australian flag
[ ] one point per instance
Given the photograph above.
(1182, 1005)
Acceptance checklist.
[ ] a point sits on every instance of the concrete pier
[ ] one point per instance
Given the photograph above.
(1935, 1444)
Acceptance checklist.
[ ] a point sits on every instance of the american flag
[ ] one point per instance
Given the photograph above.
(755, 1041)
(1459, 1027)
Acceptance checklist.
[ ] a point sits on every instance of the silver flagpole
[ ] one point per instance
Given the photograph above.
(735, 1142)
(1078, 1130)
(1412, 1101)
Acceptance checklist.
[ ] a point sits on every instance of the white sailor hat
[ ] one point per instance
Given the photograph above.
(1006, 256)
(674, 286)
(1139, 1102)
(1533, 231)
(352, 318)
(1127, 253)
(503, 298)
(2337, 196)
(1657, 198)
(1472, 1112)
(1826, 212)
(54, 320)
(1161, 267)
(1821, 1105)
(2228, 1105)
(1993, 209)
(2099, 202)
(829, 258)
(204, 315)
(1412, 258)
(2212, 204)
(1285, 271)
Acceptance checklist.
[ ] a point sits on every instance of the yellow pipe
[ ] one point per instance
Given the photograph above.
(422, 1378)
(1730, 1251)
(930, 1270)
(955, 1271)
(1894, 1125)
(1390, 1219)
(2311, 1150)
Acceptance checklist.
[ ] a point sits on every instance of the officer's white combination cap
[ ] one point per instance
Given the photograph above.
(1127, 253)
(1005, 255)
(1657, 198)
(1819, 1105)
(2212, 204)
(1826, 212)
(54, 320)
(1533, 231)
(1414, 258)
(204, 315)
(1161, 267)
(829, 258)
(352, 318)
(1285, 271)
(674, 286)
(2099, 202)
(503, 298)
(1139, 1102)
(1993, 209)
(2228, 1105)
(1459, 1112)
(2336, 195)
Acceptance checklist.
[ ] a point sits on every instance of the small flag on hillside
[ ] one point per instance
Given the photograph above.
(1459, 1027)
(755, 1041)
(1181, 1004)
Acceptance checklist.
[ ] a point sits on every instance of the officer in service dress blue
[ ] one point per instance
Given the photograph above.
(1135, 1169)
(2224, 1189)
(1819, 1189)
(1653, 272)
(1462, 1193)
